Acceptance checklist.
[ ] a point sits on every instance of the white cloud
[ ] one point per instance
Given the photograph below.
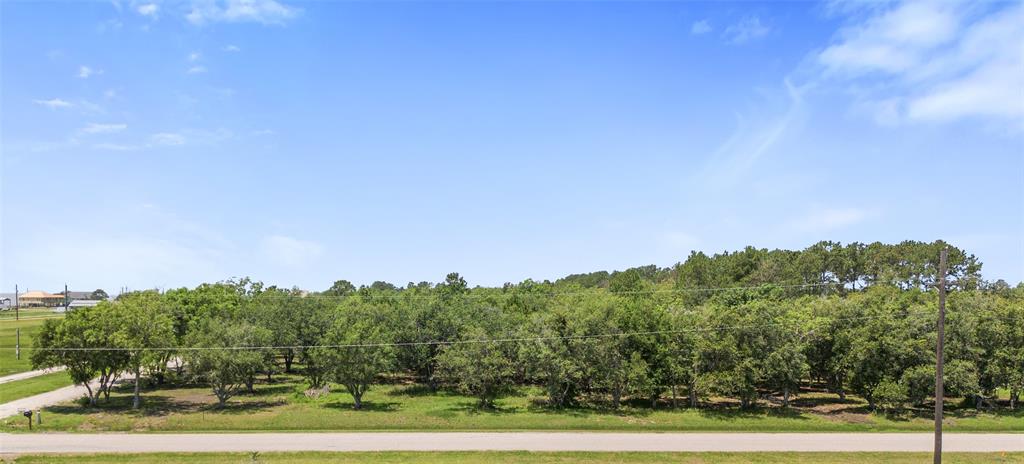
(54, 103)
(94, 128)
(194, 56)
(259, 11)
(933, 62)
(232, 48)
(85, 72)
(747, 29)
(167, 138)
(290, 251)
(196, 70)
(148, 9)
(700, 27)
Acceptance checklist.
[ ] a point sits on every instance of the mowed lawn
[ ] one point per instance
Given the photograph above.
(11, 391)
(9, 364)
(524, 457)
(282, 406)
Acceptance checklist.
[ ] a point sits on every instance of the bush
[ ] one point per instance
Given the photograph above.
(889, 396)
(919, 382)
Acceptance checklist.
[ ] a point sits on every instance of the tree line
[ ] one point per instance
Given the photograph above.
(751, 326)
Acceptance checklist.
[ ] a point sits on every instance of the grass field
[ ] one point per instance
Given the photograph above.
(9, 364)
(11, 391)
(282, 406)
(526, 458)
(27, 313)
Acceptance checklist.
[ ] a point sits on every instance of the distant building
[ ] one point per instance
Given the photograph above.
(79, 295)
(40, 298)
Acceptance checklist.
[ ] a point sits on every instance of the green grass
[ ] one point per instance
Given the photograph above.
(281, 406)
(11, 391)
(9, 364)
(523, 457)
(28, 313)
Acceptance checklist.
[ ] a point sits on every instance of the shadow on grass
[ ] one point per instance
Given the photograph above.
(727, 414)
(152, 406)
(368, 406)
(416, 390)
(240, 407)
(473, 408)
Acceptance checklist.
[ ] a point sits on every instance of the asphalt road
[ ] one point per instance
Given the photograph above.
(526, 441)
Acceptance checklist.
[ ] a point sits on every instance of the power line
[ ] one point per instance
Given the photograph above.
(458, 342)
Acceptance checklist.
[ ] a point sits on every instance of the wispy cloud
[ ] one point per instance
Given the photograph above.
(290, 251)
(932, 62)
(827, 219)
(85, 72)
(167, 139)
(96, 128)
(194, 56)
(148, 9)
(259, 11)
(232, 48)
(196, 70)
(54, 103)
(754, 137)
(747, 29)
(700, 27)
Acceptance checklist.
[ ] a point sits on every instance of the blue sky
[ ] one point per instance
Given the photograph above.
(170, 143)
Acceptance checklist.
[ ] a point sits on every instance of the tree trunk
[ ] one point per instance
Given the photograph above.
(616, 397)
(693, 395)
(135, 401)
(1014, 396)
(249, 381)
(674, 404)
(785, 397)
(357, 398)
(289, 356)
(92, 399)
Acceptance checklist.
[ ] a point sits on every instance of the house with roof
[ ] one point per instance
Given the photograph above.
(40, 298)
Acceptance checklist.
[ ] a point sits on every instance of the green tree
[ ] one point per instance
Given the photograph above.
(479, 368)
(226, 354)
(360, 350)
(145, 331)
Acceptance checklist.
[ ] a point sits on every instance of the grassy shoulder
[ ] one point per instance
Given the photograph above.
(28, 313)
(11, 391)
(282, 406)
(524, 457)
(9, 363)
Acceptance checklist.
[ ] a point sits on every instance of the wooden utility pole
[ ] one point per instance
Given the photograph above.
(16, 308)
(939, 393)
(17, 343)
(65, 298)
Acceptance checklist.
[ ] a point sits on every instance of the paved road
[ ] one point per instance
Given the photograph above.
(528, 441)
(29, 374)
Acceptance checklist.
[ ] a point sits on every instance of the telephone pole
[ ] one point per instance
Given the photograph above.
(939, 393)
(65, 298)
(16, 307)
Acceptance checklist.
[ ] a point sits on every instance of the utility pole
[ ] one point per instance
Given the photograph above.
(16, 308)
(939, 393)
(65, 298)
(17, 343)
